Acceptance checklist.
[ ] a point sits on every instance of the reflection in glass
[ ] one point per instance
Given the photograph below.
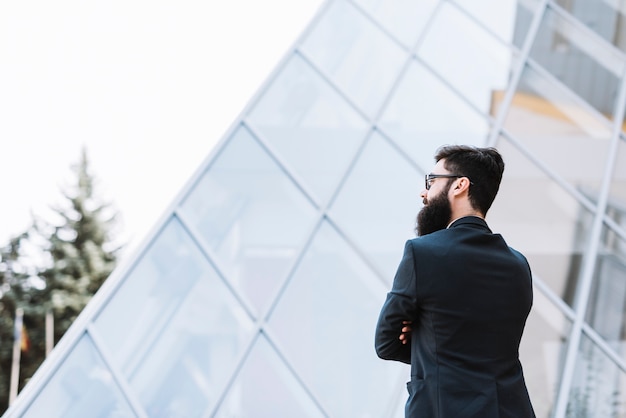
(606, 18)
(377, 205)
(266, 388)
(236, 207)
(525, 13)
(312, 128)
(606, 308)
(539, 218)
(598, 385)
(508, 19)
(424, 114)
(454, 42)
(542, 352)
(588, 65)
(339, 336)
(349, 47)
(82, 387)
(174, 328)
(560, 132)
(405, 19)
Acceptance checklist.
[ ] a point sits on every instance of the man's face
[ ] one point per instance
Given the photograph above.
(437, 212)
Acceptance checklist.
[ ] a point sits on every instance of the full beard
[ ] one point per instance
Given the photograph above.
(435, 215)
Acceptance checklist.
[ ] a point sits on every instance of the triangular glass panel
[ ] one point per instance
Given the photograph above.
(453, 42)
(336, 299)
(310, 126)
(173, 328)
(82, 386)
(348, 47)
(377, 205)
(265, 387)
(424, 114)
(405, 19)
(235, 208)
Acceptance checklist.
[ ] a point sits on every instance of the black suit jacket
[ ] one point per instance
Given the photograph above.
(468, 294)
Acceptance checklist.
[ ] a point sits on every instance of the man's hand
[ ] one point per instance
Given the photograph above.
(405, 335)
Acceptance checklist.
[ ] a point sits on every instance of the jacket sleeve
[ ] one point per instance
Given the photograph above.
(400, 305)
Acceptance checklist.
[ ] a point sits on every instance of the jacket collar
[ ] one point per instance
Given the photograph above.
(469, 220)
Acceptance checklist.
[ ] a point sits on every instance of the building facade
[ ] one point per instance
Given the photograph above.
(257, 293)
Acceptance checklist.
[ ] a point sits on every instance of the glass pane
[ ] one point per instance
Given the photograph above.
(566, 137)
(332, 276)
(599, 385)
(454, 41)
(575, 57)
(604, 17)
(399, 412)
(266, 388)
(617, 196)
(542, 352)
(508, 19)
(405, 19)
(539, 218)
(348, 47)
(424, 114)
(236, 206)
(174, 328)
(82, 387)
(606, 309)
(312, 128)
(378, 204)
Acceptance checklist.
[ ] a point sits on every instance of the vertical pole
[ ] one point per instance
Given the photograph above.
(49, 331)
(17, 352)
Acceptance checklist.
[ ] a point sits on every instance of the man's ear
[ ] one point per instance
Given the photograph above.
(461, 186)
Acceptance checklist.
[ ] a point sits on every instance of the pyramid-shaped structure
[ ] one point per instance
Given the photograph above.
(257, 293)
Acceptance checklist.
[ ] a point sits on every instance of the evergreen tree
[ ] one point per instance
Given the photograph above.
(67, 263)
(80, 250)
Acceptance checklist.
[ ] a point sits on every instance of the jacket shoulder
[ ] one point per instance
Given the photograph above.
(437, 238)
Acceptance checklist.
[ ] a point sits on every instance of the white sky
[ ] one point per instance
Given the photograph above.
(147, 86)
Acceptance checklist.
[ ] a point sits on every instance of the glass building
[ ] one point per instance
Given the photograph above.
(257, 293)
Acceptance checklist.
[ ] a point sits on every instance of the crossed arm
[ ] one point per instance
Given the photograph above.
(393, 331)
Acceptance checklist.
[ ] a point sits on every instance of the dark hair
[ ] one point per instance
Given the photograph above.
(483, 166)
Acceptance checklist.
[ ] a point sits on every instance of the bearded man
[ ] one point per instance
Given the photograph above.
(460, 298)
